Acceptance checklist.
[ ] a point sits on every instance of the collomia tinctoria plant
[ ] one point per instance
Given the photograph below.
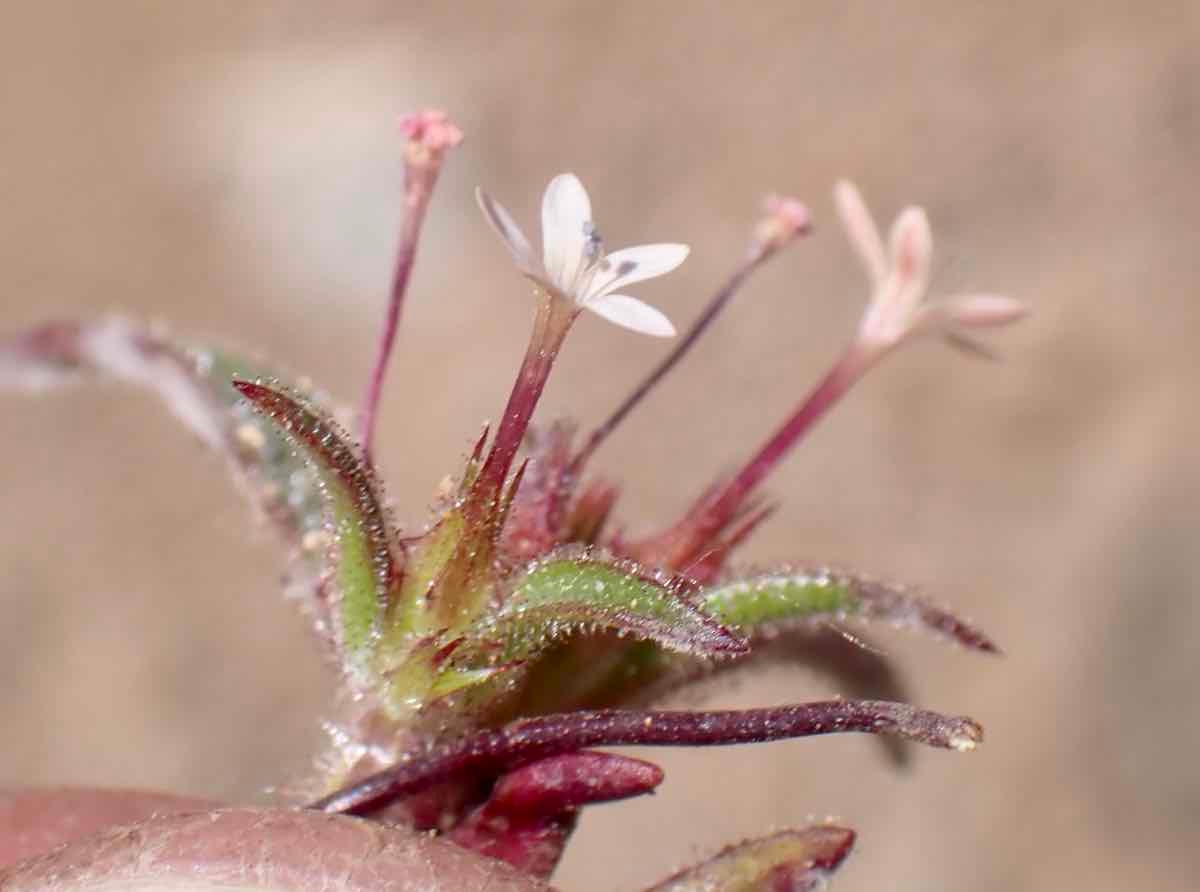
(486, 653)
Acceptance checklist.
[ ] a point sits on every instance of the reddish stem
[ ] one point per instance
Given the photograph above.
(709, 514)
(430, 135)
(823, 397)
(410, 231)
(494, 751)
(553, 321)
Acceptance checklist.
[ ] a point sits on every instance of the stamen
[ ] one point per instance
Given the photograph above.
(593, 248)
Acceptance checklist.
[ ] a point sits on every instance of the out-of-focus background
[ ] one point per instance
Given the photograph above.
(234, 168)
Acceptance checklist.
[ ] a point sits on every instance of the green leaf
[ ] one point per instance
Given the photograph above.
(367, 570)
(576, 593)
(765, 605)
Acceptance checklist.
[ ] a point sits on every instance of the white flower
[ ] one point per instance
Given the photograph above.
(900, 278)
(574, 266)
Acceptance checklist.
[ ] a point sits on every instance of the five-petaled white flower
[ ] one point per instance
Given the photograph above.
(574, 266)
(900, 278)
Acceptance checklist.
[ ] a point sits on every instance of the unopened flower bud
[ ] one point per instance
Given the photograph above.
(430, 133)
(785, 219)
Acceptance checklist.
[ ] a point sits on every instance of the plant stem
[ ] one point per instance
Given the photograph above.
(410, 232)
(713, 511)
(845, 372)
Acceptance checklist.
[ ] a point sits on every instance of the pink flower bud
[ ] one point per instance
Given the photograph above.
(786, 219)
(430, 133)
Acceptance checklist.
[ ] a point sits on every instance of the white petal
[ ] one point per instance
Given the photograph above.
(566, 218)
(629, 312)
(983, 310)
(510, 233)
(861, 230)
(636, 264)
(910, 245)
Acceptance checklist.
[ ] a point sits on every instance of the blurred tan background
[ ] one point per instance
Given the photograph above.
(233, 167)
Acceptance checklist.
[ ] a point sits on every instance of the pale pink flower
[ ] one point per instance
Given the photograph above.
(899, 275)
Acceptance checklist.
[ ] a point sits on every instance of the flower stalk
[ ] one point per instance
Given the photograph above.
(430, 135)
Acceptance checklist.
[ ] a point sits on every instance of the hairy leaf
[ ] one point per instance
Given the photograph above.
(764, 605)
(575, 593)
(366, 566)
(495, 750)
(646, 675)
(788, 861)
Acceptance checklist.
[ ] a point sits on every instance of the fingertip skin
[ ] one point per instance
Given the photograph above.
(33, 821)
(260, 849)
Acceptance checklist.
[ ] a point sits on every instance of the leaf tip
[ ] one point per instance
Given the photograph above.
(965, 737)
